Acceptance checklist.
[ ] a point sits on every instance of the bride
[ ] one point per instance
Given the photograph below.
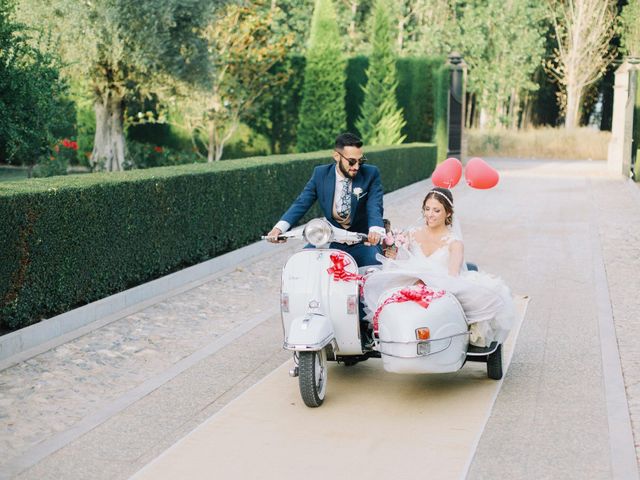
(433, 255)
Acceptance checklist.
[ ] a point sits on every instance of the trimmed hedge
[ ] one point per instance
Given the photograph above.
(68, 241)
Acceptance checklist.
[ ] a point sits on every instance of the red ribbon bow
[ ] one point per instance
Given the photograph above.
(421, 294)
(339, 262)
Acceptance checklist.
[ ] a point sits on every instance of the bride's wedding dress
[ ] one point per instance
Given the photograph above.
(485, 299)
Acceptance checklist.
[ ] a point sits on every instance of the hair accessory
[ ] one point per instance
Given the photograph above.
(442, 195)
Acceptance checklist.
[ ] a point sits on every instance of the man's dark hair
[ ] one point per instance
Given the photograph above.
(348, 140)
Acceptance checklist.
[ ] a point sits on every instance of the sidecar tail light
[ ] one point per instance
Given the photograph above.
(284, 302)
(352, 304)
(423, 333)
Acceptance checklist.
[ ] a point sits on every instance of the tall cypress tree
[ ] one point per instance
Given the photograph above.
(322, 112)
(381, 119)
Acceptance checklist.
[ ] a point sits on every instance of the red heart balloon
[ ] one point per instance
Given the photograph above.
(447, 174)
(480, 174)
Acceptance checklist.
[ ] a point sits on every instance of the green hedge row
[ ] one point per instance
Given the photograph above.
(68, 241)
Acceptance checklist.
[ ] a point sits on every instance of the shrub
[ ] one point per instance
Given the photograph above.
(322, 112)
(546, 142)
(63, 153)
(72, 240)
(381, 120)
(33, 108)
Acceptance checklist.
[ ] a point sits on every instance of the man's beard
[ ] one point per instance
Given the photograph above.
(345, 172)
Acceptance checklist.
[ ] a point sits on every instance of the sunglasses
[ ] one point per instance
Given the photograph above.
(353, 161)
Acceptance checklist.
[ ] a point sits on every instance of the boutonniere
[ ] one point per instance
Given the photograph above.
(358, 193)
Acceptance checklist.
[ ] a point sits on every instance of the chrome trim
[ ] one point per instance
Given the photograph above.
(423, 341)
(419, 356)
(484, 354)
(308, 348)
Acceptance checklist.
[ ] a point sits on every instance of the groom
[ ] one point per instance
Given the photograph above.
(350, 195)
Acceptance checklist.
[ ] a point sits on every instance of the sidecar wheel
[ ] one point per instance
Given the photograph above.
(494, 364)
(313, 377)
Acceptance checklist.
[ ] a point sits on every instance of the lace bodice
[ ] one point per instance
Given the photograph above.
(437, 261)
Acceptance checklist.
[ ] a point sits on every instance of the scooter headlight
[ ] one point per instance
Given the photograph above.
(318, 232)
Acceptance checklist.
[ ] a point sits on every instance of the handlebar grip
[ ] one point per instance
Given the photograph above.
(279, 237)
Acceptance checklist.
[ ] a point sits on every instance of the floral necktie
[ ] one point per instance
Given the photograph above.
(344, 202)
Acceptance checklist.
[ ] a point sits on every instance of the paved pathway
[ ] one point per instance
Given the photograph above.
(105, 404)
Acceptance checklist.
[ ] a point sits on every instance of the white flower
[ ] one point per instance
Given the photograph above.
(357, 192)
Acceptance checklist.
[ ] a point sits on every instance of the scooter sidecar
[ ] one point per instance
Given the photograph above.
(414, 339)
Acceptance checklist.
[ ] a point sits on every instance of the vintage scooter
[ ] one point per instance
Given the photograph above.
(320, 300)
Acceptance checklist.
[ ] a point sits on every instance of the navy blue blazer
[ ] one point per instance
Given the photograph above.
(366, 211)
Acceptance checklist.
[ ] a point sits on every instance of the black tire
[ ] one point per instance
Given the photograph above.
(349, 362)
(312, 370)
(494, 364)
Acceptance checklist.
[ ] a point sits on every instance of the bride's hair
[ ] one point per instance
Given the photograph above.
(445, 197)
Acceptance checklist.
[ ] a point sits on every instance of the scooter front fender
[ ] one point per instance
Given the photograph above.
(309, 332)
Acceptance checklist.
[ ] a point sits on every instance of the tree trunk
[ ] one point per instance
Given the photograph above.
(514, 104)
(469, 110)
(211, 144)
(400, 40)
(573, 106)
(484, 118)
(352, 23)
(219, 150)
(109, 143)
(527, 108)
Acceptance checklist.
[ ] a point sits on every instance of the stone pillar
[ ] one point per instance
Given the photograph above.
(456, 145)
(619, 155)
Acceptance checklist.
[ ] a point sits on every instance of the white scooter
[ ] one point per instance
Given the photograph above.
(320, 300)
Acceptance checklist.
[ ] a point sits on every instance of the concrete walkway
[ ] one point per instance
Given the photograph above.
(564, 233)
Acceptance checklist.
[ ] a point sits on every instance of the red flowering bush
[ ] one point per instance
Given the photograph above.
(62, 153)
(144, 155)
(70, 144)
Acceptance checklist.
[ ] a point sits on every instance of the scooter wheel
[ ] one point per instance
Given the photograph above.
(494, 364)
(312, 376)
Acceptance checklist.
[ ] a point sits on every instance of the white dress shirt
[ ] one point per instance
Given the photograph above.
(283, 226)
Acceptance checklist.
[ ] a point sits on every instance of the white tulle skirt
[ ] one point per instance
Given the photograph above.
(486, 300)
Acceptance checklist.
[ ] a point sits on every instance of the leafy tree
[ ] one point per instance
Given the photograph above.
(244, 50)
(426, 27)
(630, 31)
(352, 20)
(33, 103)
(503, 44)
(381, 120)
(292, 17)
(123, 49)
(322, 112)
(276, 114)
(583, 30)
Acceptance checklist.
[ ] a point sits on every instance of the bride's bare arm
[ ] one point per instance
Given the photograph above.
(456, 257)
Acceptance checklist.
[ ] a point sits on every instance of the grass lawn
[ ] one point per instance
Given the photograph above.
(11, 174)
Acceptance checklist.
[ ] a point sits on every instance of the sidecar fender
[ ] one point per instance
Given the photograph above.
(309, 332)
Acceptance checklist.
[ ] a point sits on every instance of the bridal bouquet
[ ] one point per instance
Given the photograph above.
(393, 240)
(396, 238)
